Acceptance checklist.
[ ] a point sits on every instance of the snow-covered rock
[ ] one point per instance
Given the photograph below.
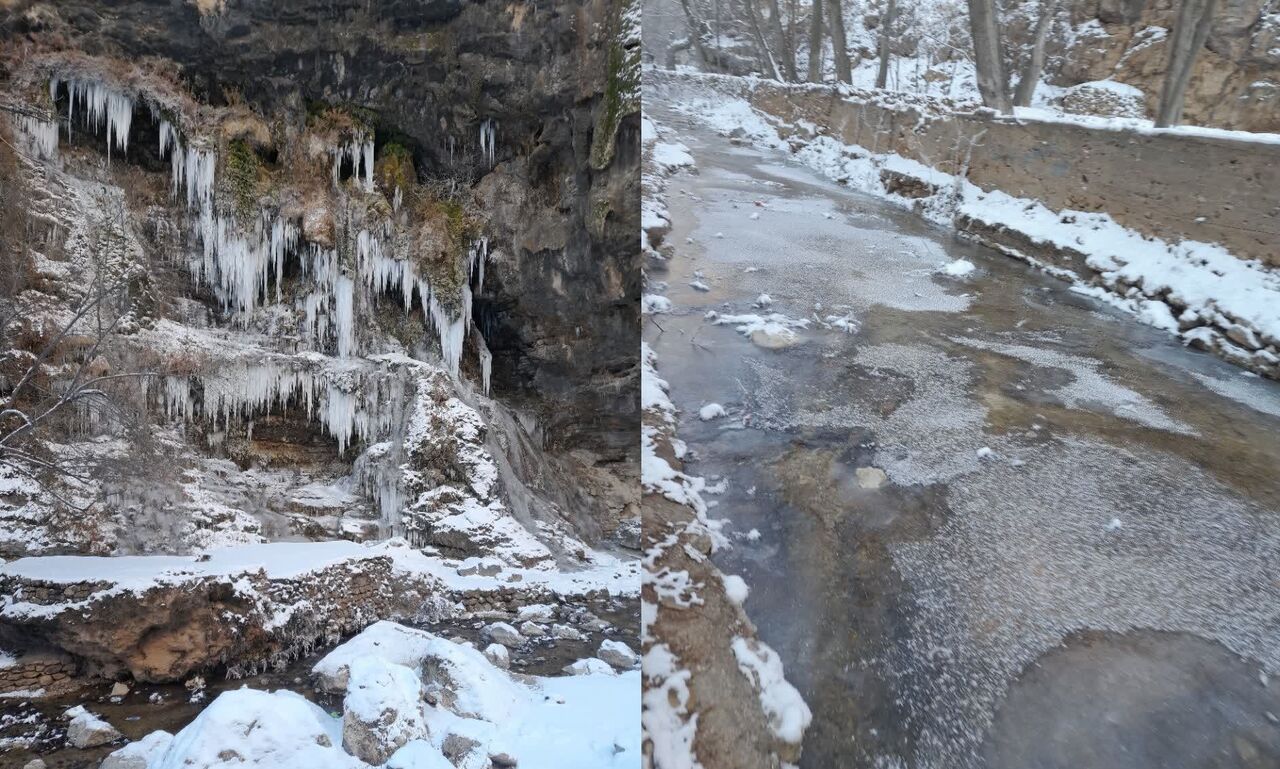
(958, 268)
(419, 754)
(140, 754)
(504, 634)
(787, 712)
(711, 411)
(566, 633)
(386, 641)
(532, 630)
(1105, 98)
(382, 711)
(589, 666)
(536, 612)
(251, 729)
(474, 714)
(498, 655)
(86, 730)
(654, 304)
(618, 654)
(736, 588)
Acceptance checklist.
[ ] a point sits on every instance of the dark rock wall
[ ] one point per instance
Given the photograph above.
(560, 308)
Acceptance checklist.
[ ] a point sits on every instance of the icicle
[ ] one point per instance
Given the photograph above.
(486, 363)
(359, 152)
(477, 255)
(487, 130)
(368, 165)
(344, 311)
(102, 106)
(361, 403)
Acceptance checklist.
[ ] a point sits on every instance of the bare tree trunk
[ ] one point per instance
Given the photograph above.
(815, 42)
(767, 62)
(839, 45)
(698, 31)
(785, 55)
(992, 83)
(1035, 63)
(1189, 33)
(882, 76)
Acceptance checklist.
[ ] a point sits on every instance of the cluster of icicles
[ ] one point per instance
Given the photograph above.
(352, 403)
(238, 263)
(353, 400)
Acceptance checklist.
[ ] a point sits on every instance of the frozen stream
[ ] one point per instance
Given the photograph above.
(1000, 524)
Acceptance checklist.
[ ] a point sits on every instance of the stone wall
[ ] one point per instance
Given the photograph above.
(49, 674)
(1171, 185)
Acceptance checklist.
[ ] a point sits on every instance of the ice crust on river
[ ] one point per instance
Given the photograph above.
(1217, 294)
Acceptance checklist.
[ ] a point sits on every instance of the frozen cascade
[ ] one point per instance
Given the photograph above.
(238, 266)
(378, 473)
(102, 106)
(40, 136)
(488, 129)
(381, 272)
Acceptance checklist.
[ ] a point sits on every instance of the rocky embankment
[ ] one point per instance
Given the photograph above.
(714, 695)
(166, 618)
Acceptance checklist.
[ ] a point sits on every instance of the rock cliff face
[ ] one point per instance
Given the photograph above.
(1236, 80)
(308, 225)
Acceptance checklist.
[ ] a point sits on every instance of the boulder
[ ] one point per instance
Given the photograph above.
(87, 730)
(532, 630)
(619, 655)
(501, 632)
(589, 666)
(140, 754)
(498, 655)
(382, 711)
(566, 633)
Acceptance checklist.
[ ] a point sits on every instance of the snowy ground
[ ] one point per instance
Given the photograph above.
(413, 700)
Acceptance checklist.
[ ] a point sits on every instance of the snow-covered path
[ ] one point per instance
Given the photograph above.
(986, 522)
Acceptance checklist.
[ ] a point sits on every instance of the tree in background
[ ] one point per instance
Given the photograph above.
(988, 57)
(815, 42)
(839, 43)
(886, 22)
(1190, 30)
(1035, 61)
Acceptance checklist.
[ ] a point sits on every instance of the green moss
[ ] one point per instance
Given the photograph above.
(323, 116)
(447, 219)
(394, 169)
(242, 177)
(622, 82)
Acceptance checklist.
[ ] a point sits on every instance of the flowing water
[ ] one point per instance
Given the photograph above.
(996, 524)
